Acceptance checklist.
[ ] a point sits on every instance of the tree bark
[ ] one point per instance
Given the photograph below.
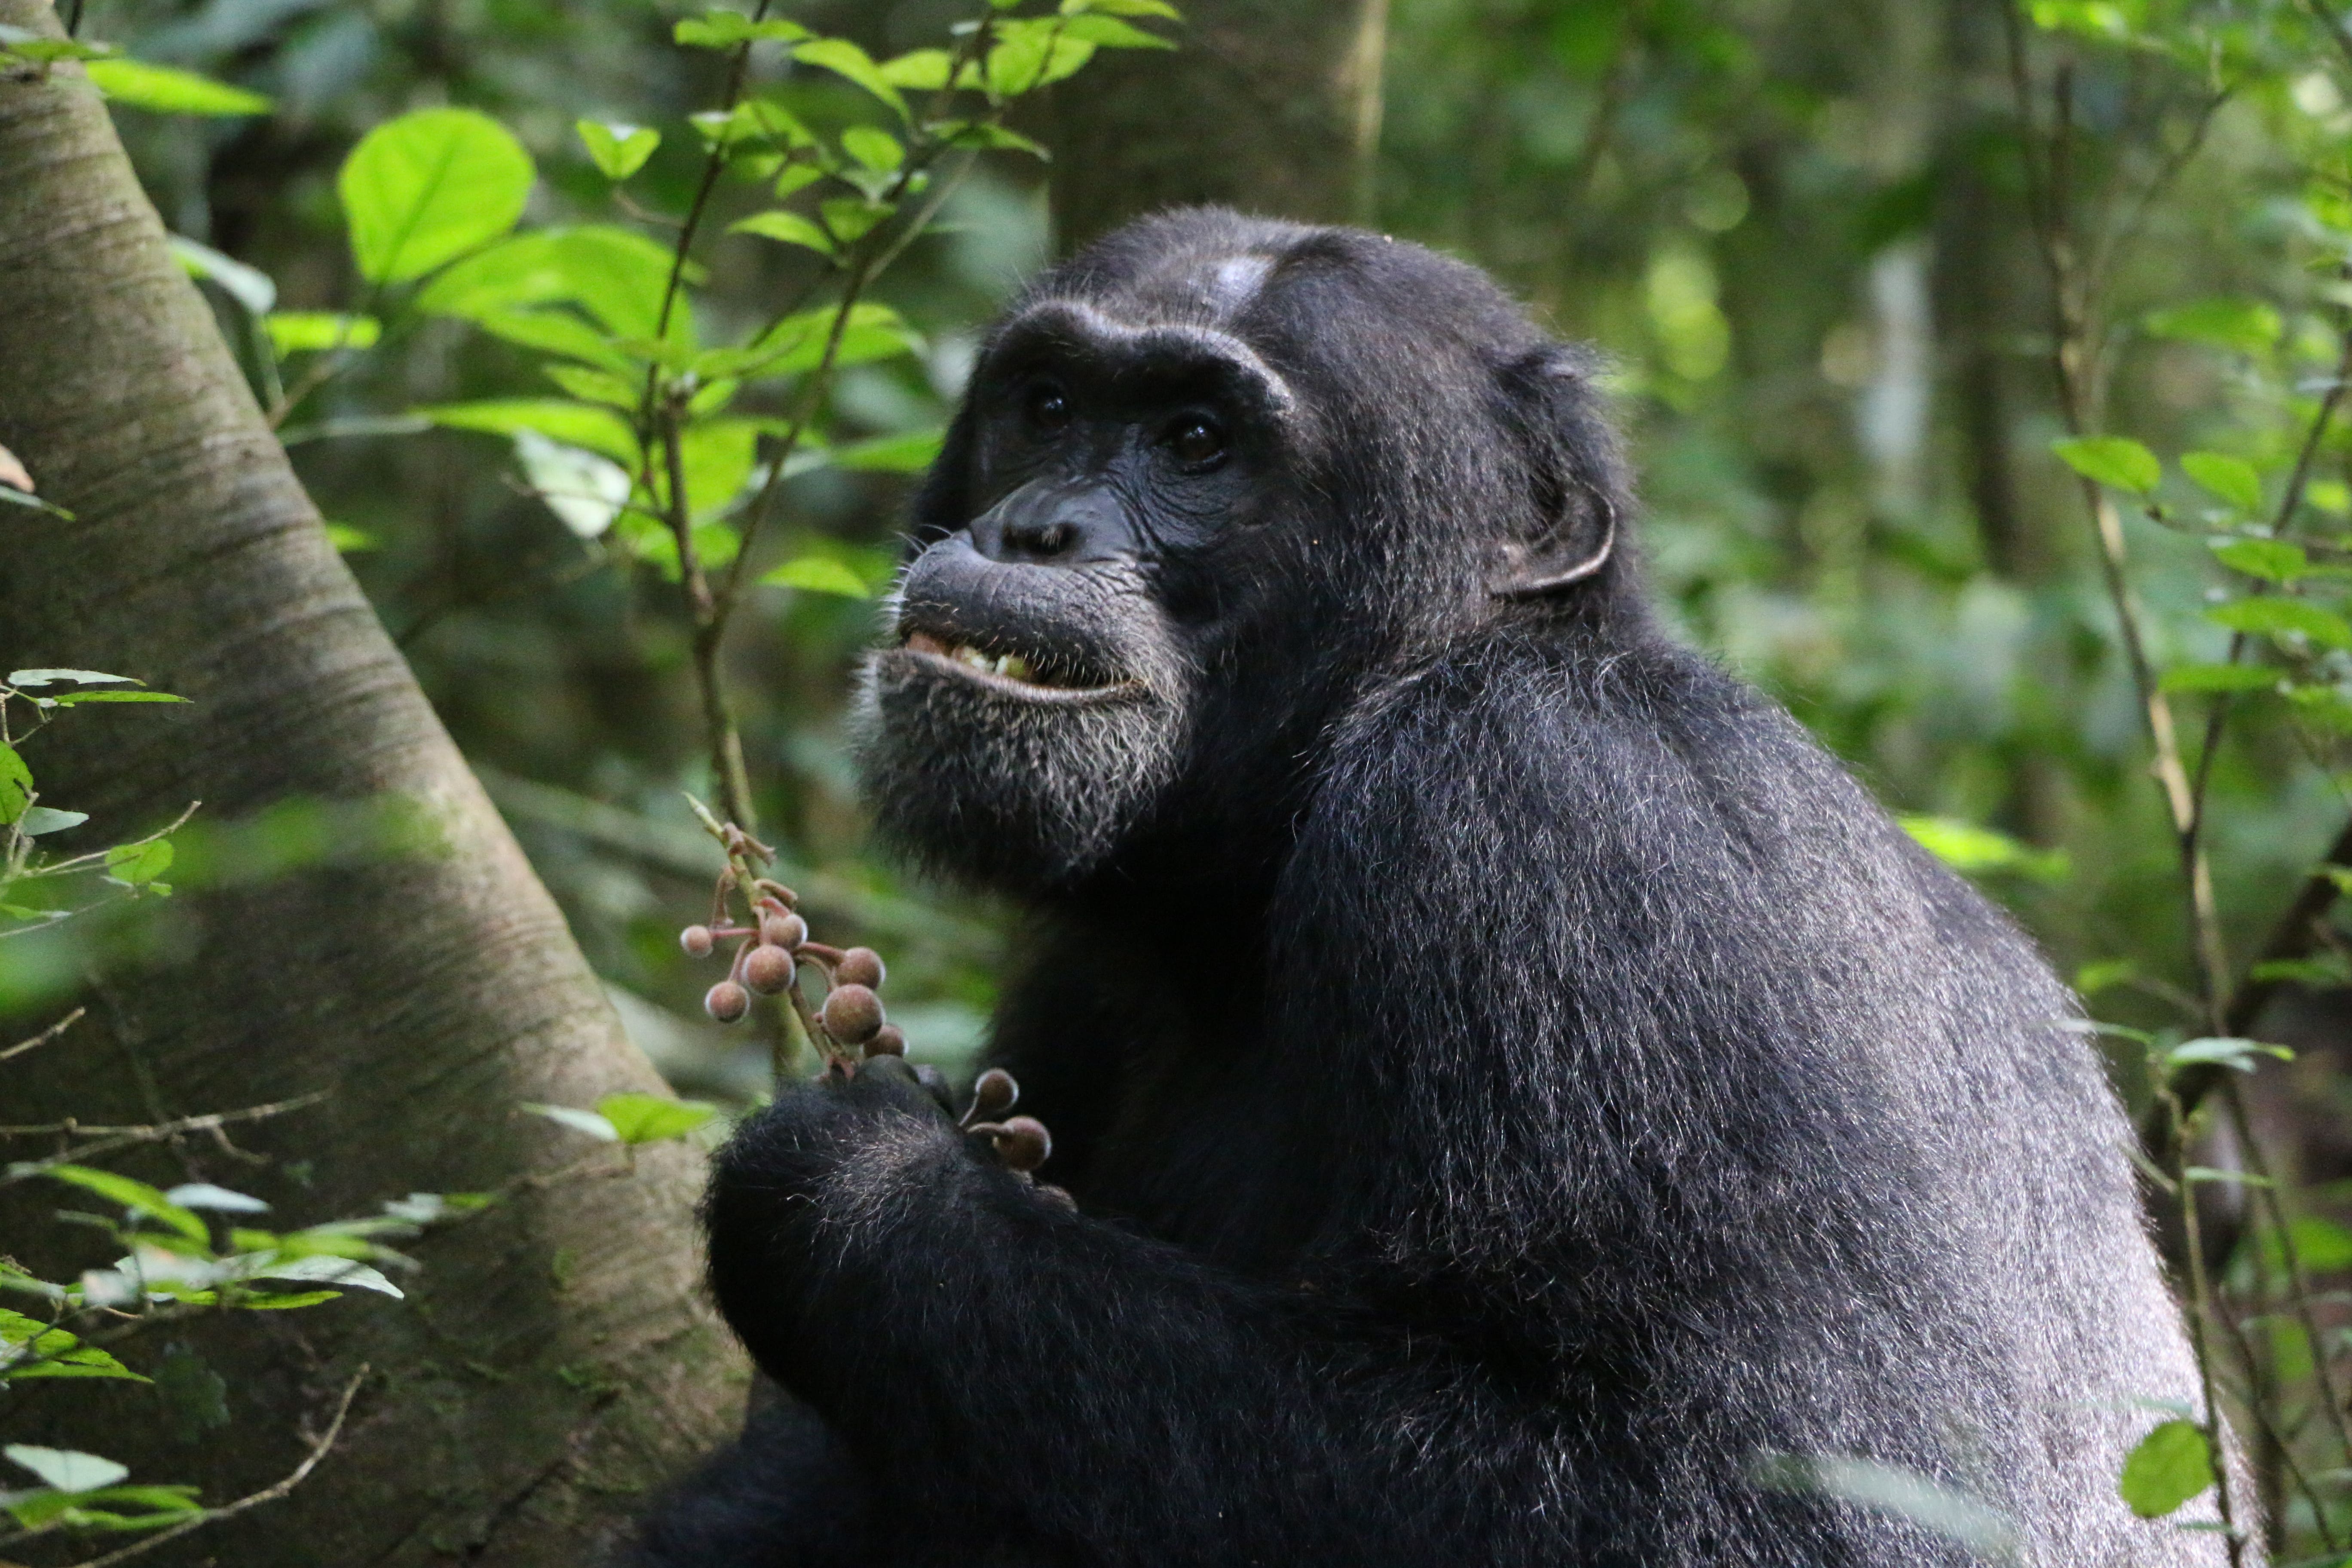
(1270, 106)
(555, 1357)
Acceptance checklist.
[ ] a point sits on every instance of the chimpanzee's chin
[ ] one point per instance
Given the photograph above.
(1017, 795)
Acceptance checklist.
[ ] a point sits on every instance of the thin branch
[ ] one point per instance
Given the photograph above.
(46, 1035)
(110, 1139)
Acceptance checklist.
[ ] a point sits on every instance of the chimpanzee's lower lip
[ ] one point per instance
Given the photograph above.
(1012, 674)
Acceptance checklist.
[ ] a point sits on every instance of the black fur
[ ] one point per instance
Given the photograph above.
(1514, 1083)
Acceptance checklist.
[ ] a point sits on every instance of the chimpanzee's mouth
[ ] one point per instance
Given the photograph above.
(1033, 674)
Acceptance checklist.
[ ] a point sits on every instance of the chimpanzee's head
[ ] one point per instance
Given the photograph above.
(1210, 477)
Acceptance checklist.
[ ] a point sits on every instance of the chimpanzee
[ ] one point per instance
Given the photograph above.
(1515, 1099)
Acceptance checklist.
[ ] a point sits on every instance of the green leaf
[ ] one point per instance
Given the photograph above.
(19, 44)
(2272, 559)
(2247, 326)
(167, 90)
(796, 343)
(877, 150)
(423, 190)
(652, 1118)
(719, 454)
(15, 785)
(1973, 850)
(2191, 678)
(817, 575)
(617, 276)
(588, 1121)
(2116, 461)
(67, 1469)
(725, 29)
(2273, 616)
(2217, 1051)
(132, 1196)
(573, 424)
(851, 219)
(249, 286)
(135, 865)
(37, 820)
(617, 150)
(75, 699)
(220, 1200)
(1110, 33)
(324, 1268)
(845, 59)
(2231, 480)
(980, 135)
(82, 677)
(2169, 1465)
(918, 71)
(1031, 53)
(891, 454)
(788, 227)
(2323, 1246)
(584, 491)
(1121, 8)
(282, 1300)
(593, 385)
(315, 332)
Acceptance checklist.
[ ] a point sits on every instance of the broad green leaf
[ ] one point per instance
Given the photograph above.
(167, 90)
(111, 694)
(15, 785)
(282, 1301)
(983, 136)
(2272, 559)
(2169, 1465)
(584, 491)
(19, 44)
(1121, 8)
(249, 286)
(2116, 461)
(37, 820)
(891, 454)
(2219, 678)
(796, 343)
(652, 1118)
(132, 1196)
(2219, 1051)
(2248, 326)
(559, 332)
(2226, 479)
(87, 1362)
(423, 190)
(135, 865)
(617, 275)
(877, 150)
(851, 219)
(2100, 19)
(325, 1270)
(725, 29)
(817, 575)
(918, 71)
(2323, 1246)
(1110, 33)
(588, 1121)
(315, 332)
(1973, 850)
(67, 1469)
(1031, 53)
(83, 677)
(719, 454)
(595, 385)
(845, 59)
(618, 150)
(222, 1200)
(789, 228)
(2322, 706)
(2275, 617)
(573, 424)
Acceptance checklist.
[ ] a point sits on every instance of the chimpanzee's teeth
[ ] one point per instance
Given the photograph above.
(1010, 666)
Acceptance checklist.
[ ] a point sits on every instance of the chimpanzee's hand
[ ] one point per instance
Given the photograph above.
(828, 1172)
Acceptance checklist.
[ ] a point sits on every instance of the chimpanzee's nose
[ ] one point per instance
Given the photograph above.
(1054, 523)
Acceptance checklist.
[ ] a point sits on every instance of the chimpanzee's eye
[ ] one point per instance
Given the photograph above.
(1196, 442)
(1046, 408)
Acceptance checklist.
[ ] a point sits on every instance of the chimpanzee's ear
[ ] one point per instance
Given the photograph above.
(1575, 471)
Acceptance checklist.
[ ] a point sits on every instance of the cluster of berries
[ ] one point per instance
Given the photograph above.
(769, 960)
(771, 950)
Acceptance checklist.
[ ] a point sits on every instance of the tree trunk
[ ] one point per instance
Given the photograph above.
(1270, 105)
(554, 1358)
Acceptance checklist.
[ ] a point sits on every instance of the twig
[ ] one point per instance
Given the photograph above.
(112, 1138)
(267, 1494)
(46, 1035)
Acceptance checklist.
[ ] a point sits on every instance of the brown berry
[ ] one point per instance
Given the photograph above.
(994, 1093)
(1023, 1142)
(726, 1001)
(696, 942)
(768, 970)
(787, 931)
(890, 1040)
(853, 1014)
(859, 966)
